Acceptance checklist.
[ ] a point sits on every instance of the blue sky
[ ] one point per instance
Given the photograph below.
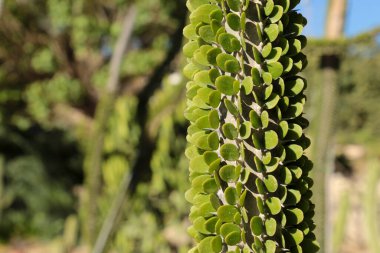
(362, 16)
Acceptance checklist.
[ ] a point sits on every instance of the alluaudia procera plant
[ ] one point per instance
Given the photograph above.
(250, 189)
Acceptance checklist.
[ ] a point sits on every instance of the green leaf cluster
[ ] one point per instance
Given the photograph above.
(250, 184)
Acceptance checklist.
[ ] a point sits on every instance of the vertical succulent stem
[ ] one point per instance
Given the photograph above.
(250, 184)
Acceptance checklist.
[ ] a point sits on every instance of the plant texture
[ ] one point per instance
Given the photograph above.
(250, 188)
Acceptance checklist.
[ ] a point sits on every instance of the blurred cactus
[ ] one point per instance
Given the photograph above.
(341, 222)
(371, 206)
(250, 184)
(70, 233)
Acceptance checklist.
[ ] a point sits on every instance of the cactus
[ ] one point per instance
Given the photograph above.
(340, 223)
(371, 205)
(250, 184)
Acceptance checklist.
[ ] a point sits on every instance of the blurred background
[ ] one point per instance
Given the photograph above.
(92, 133)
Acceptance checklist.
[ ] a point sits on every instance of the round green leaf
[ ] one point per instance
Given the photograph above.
(260, 205)
(260, 186)
(270, 246)
(286, 5)
(233, 238)
(287, 63)
(230, 131)
(202, 78)
(210, 186)
(295, 132)
(233, 21)
(190, 70)
(229, 228)
(267, 158)
(293, 237)
(217, 15)
(227, 62)
(213, 140)
(210, 156)
(272, 31)
(214, 99)
(271, 183)
(274, 205)
(294, 216)
(205, 246)
(199, 225)
(203, 93)
(231, 195)
(245, 130)
(267, 49)
(247, 85)
(293, 152)
(190, 48)
(206, 209)
(267, 77)
(229, 152)
(272, 101)
(270, 139)
(226, 213)
(256, 76)
(214, 165)
(276, 14)
(296, 171)
(270, 226)
(284, 128)
(229, 173)
(213, 118)
(190, 32)
(212, 54)
(268, 8)
(216, 244)
(256, 225)
(200, 55)
(225, 84)
(231, 107)
(229, 42)
(255, 119)
(264, 119)
(276, 69)
(286, 176)
(295, 47)
(210, 224)
(206, 33)
(294, 87)
(215, 202)
(272, 165)
(202, 13)
(194, 4)
(232, 66)
(198, 164)
(257, 55)
(294, 111)
(234, 4)
(274, 55)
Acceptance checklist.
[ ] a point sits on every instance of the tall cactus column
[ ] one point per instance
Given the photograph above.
(250, 189)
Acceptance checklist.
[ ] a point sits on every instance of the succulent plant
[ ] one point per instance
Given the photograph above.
(250, 184)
